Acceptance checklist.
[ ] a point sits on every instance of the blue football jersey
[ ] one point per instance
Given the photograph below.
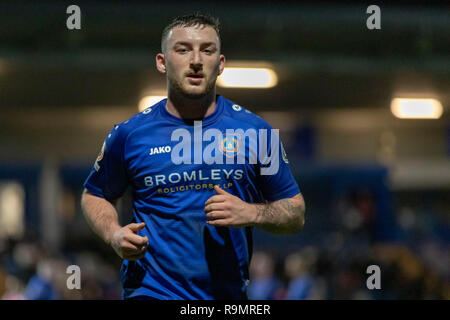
(172, 166)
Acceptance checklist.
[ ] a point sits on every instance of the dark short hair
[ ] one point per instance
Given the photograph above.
(191, 20)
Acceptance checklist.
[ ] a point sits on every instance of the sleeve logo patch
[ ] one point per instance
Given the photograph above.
(236, 107)
(283, 154)
(100, 157)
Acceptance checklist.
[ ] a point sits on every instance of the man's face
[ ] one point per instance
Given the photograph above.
(193, 60)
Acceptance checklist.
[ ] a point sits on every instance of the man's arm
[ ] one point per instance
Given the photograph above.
(282, 216)
(102, 217)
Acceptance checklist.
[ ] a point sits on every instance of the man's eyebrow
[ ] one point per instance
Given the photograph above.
(183, 43)
(186, 43)
(208, 44)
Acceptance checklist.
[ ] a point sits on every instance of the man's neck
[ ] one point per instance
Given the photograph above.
(186, 108)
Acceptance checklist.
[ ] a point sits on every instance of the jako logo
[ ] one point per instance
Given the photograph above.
(158, 150)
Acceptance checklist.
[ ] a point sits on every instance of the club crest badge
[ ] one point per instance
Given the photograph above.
(230, 144)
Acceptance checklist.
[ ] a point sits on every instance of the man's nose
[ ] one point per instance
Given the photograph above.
(196, 61)
(196, 67)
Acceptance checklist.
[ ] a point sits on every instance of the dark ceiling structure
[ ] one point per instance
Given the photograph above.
(323, 53)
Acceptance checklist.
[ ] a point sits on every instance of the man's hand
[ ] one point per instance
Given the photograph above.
(224, 209)
(127, 244)
(284, 216)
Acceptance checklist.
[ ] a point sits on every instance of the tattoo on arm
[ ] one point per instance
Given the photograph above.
(281, 216)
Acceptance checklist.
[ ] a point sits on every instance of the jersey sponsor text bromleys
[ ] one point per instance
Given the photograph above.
(197, 175)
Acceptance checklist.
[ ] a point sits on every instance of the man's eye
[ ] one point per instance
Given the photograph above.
(207, 51)
(181, 50)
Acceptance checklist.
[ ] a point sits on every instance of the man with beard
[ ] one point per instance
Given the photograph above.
(189, 238)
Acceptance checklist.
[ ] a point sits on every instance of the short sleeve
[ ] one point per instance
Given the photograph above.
(108, 178)
(276, 179)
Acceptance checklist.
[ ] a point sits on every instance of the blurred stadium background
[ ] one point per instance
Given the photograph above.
(376, 186)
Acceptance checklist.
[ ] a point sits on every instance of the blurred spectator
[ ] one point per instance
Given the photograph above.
(13, 289)
(264, 285)
(29, 272)
(298, 268)
(40, 286)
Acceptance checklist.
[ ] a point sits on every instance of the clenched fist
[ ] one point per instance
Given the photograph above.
(127, 244)
(225, 209)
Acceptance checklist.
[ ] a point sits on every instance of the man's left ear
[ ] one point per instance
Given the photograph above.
(160, 66)
(222, 63)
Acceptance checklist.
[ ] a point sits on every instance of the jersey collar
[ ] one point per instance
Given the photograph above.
(205, 121)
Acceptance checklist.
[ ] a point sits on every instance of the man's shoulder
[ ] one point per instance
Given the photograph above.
(239, 113)
(137, 120)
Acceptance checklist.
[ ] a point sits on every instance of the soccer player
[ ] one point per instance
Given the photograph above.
(190, 237)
